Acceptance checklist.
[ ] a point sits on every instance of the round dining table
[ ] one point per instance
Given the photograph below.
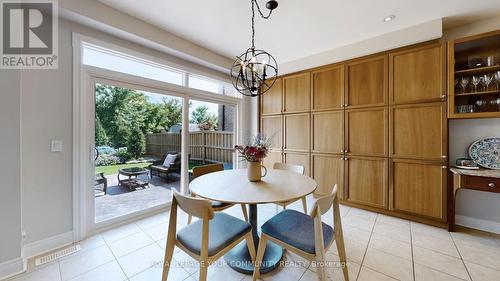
(233, 186)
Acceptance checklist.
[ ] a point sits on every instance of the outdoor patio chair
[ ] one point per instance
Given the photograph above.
(158, 168)
(100, 179)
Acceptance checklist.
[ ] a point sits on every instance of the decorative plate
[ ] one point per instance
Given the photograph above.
(486, 152)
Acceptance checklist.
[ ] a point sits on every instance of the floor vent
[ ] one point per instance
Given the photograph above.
(56, 255)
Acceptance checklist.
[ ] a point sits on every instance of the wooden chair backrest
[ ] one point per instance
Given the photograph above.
(206, 169)
(323, 204)
(288, 167)
(194, 206)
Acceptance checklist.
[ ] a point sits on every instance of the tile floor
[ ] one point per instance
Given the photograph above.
(379, 248)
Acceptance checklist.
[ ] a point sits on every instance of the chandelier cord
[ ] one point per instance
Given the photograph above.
(254, 2)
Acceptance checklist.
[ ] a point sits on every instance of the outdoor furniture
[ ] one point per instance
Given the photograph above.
(159, 167)
(133, 181)
(207, 239)
(296, 169)
(306, 235)
(233, 186)
(100, 179)
(199, 171)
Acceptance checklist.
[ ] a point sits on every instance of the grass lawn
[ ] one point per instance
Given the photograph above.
(113, 169)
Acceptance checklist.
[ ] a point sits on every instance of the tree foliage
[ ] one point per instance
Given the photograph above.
(203, 118)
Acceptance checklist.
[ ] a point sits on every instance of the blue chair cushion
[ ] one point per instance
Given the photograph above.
(217, 204)
(223, 230)
(296, 229)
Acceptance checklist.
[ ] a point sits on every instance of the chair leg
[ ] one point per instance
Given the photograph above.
(259, 257)
(244, 210)
(304, 204)
(251, 245)
(169, 252)
(189, 219)
(320, 266)
(203, 272)
(339, 240)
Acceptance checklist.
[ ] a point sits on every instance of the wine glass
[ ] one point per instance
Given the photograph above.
(475, 81)
(480, 104)
(487, 78)
(497, 78)
(497, 102)
(465, 81)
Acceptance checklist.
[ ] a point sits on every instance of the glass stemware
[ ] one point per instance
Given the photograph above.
(497, 78)
(497, 102)
(464, 82)
(475, 81)
(480, 104)
(487, 78)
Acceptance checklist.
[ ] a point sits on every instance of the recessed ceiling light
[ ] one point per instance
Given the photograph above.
(389, 18)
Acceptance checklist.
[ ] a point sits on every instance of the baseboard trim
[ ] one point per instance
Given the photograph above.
(12, 267)
(484, 225)
(46, 245)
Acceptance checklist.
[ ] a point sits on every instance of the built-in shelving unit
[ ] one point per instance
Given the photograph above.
(472, 62)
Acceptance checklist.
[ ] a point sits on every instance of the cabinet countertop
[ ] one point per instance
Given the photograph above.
(477, 173)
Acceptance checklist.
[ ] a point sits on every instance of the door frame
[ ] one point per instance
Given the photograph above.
(84, 79)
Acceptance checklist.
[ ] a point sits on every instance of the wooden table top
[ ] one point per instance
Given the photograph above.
(233, 186)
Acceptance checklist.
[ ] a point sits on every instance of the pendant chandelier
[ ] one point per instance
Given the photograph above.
(255, 71)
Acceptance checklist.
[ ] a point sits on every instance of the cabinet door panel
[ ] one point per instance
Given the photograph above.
(419, 132)
(298, 159)
(367, 132)
(367, 181)
(297, 132)
(328, 170)
(271, 128)
(417, 75)
(367, 82)
(328, 132)
(272, 100)
(418, 188)
(297, 91)
(272, 157)
(328, 88)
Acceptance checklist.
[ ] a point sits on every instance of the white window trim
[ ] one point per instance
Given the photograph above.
(84, 78)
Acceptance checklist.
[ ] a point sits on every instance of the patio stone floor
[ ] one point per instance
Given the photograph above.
(120, 201)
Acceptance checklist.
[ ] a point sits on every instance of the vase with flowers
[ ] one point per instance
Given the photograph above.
(254, 153)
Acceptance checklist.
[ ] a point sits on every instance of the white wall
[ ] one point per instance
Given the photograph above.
(474, 208)
(10, 167)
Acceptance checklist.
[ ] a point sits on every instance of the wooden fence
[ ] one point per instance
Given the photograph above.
(205, 146)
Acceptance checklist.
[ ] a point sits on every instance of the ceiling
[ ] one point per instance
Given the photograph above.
(297, 28)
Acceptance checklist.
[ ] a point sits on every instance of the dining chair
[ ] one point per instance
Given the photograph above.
(306, 235)
(296, 169)
(217, 206)
(207, 239)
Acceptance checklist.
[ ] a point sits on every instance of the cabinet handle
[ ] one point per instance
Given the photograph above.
(443, 96)
(444, 156)
(492, 185)
(345, 105)
(341, 105)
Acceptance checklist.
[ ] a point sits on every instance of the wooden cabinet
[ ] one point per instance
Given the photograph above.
(297, 133)
(328, 132)
(419, 131)
(417, 74)
(297, 158)
(366, 181)
(328, 170)
(272, 100)
(297, 93)
(468, 57)
(418, 187)
(328, 88)
(367, 81)
(273, 157)
(271, 127)
(367, 131)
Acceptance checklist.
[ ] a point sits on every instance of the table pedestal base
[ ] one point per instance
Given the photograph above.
(239, 258)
